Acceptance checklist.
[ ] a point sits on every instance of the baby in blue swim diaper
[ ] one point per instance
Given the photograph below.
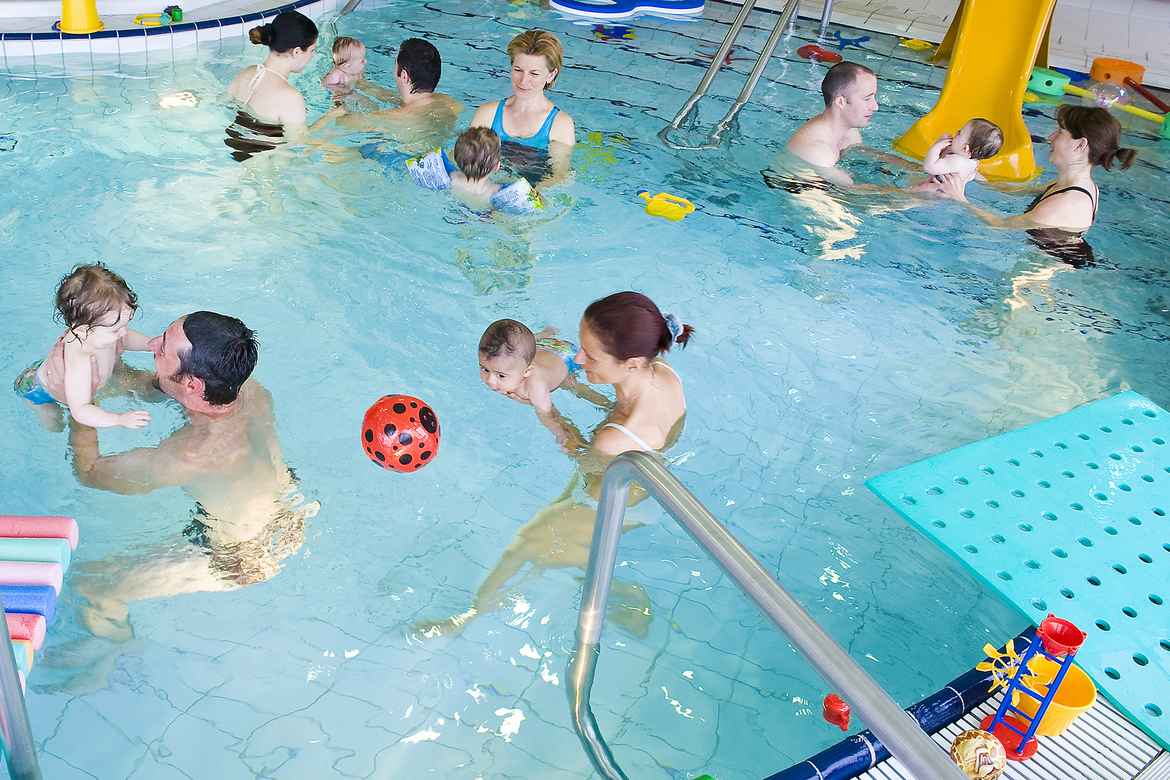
(477, 157)
(528, 367)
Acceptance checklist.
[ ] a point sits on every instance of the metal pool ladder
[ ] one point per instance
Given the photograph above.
(896, 729)
(749, 86)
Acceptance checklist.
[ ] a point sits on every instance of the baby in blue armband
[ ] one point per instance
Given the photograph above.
(477, 157)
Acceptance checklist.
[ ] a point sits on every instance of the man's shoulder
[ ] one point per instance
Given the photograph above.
(814, 144)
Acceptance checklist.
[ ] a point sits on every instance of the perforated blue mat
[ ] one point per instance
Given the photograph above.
(1070, 516)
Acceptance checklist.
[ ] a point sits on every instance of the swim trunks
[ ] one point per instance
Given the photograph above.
(28, 386)
(565, 350)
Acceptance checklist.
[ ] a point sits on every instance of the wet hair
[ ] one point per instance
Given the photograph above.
(223, 354)
(1101, 129)
(422, 63)
(477, 152)
(839, 78)
(539, 43)
(629, 325)
(90, 292)
(508, 337)
(343, 45)
(287, 31)
(986, 139)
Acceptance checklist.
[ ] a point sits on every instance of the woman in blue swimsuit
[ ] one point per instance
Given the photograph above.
(528, 123)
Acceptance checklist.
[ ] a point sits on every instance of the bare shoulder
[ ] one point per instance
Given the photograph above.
(449, 103)
(812, 144)
(483, 114)
(610, 441)
(564, 130)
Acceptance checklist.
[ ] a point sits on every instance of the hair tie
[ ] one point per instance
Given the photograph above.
(674, 325)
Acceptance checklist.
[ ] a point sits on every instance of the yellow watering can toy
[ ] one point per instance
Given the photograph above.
(666, 206)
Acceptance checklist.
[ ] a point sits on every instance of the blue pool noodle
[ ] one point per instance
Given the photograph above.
(30, 599)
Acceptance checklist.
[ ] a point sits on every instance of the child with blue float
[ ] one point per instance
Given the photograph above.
(96, 306)
(477, 157)
(528, 367)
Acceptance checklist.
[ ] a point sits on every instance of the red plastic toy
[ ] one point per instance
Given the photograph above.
(836, 711)
(400, 432)
(810, 51)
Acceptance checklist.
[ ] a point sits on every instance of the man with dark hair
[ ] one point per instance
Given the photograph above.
(850, 93)
(425, 116)
(227, 457)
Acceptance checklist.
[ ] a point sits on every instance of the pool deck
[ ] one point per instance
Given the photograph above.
(1099, 745)
(1082, 30)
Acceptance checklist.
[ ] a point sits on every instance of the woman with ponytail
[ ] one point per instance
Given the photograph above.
(271, 107)
(623, 339)
(1084, 138)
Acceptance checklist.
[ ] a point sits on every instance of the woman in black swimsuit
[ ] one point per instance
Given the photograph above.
(1066, 209)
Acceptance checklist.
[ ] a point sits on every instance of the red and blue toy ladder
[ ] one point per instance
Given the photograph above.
(1057, 640)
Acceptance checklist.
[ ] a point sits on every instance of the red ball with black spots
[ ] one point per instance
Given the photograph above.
(400, 432)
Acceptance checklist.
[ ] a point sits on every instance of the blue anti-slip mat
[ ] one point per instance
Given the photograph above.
(1071, 516)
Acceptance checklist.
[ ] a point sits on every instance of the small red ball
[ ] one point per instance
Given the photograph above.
(400, 432)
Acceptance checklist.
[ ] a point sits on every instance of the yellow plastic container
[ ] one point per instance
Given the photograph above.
(1075, 695)
(80, 17)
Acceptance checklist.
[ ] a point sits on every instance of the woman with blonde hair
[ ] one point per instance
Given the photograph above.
(528, 120)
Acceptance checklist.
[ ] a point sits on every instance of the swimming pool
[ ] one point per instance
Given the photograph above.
(836, 340)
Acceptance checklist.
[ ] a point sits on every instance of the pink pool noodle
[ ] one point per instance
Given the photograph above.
(40, 527)
(28, 627)
(20, 573)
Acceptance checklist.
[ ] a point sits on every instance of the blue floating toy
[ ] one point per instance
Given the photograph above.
(624, 9)
(844, 43)
(7, 142)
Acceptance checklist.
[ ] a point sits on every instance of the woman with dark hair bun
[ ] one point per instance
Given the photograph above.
(1084, 138)
(623, 338)
(271, 107)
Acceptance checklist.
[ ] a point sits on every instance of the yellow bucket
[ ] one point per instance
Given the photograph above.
(1075, 695)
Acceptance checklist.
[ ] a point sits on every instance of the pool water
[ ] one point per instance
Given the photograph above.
(837, 338)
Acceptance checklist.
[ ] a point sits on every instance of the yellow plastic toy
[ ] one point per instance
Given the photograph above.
(1076, 695)
(915, 44)
(148, 20)
(993, 45)
(666, 206)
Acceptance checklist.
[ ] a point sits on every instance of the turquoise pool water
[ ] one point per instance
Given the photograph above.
(836, 339)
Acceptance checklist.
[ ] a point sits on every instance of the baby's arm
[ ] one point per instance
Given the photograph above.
(79, 394)
(951, 163)
(134, 341)
(541, 400)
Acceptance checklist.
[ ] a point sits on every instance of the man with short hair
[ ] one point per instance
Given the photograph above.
(227, 457)
(425, 116)
(850, 93)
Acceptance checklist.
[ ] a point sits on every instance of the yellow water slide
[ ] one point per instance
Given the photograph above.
(994, 45)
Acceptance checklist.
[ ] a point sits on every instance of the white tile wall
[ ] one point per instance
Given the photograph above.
(1137, 30)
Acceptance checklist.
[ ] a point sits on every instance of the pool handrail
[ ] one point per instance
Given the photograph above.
(898, 731)
(20, 751)
(716, 135)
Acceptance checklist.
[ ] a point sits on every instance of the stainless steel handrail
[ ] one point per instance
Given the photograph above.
(896, 729)
(20, 750)
(716, 135)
